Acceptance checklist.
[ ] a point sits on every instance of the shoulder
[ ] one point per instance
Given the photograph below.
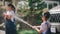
(12, 12)
(43, 24)
(48, 23)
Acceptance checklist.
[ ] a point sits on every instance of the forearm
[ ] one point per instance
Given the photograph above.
(38, 30)
(7, 17)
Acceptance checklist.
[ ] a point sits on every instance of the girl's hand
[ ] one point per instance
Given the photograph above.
(8, 16)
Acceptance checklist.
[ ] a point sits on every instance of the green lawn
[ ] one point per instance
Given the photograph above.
(27, 32)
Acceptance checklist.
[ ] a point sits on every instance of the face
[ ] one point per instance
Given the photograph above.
(9, 8)
(43, 18)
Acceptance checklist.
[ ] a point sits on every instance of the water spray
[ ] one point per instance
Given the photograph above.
(17, 18)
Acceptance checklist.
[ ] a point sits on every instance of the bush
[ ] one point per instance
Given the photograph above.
(27, 32)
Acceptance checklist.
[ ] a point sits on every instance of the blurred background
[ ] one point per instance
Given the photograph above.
(28, 10)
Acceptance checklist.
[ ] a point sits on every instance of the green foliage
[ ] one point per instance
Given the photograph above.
(36, 8)
(27, 32)
(36, 5)
(38, 19)
(27, 0)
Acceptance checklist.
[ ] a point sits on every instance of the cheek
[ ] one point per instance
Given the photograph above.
(8, 8)
(42, 18)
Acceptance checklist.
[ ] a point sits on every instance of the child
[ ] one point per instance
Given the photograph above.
(9, 17)
(45, 26)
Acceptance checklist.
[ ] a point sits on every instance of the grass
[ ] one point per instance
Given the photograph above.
(27, 32)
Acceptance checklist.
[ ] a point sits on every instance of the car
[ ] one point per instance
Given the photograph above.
(55, 18)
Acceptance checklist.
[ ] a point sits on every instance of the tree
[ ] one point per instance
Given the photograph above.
(36, 8)
(34, 11)
(36, 5)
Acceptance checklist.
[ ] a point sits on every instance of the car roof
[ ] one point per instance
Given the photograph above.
(55, 10)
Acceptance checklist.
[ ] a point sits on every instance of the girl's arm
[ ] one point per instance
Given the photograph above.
(36, 26)
(38, 30)
(8, 16)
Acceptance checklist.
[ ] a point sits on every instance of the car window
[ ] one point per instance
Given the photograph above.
(54, 18)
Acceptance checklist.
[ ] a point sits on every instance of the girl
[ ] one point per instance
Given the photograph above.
(9, 18)
(45, 26)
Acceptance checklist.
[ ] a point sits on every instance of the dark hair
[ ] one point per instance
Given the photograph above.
(12, 6)
(47, 15)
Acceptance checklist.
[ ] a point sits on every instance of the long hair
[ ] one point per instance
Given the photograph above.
(12, 6)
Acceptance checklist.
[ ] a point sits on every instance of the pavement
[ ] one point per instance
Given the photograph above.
(2, 32)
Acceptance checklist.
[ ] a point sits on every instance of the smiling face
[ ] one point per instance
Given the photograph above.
(8, 8)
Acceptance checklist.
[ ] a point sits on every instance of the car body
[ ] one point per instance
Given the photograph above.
(55, 17)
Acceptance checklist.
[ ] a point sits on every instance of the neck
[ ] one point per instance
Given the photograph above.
(9, 10)
(44, 20)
